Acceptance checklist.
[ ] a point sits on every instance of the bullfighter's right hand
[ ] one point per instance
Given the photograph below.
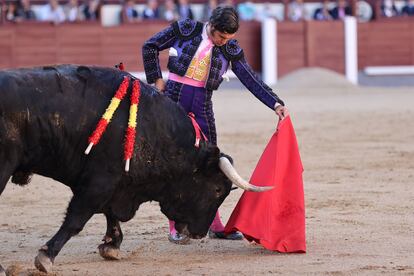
(281, 111)
(160, 85)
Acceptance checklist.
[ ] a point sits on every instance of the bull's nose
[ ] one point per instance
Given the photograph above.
(185, 231)
(197, 237)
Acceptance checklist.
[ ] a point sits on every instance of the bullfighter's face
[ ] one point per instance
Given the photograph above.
(219, 38)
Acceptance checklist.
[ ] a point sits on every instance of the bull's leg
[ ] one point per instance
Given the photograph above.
(6, 170)
(89, 200)
(112, 240)
(78, 213)
(3, 181)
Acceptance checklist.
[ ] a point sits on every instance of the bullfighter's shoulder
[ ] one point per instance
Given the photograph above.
(232, 50)
(187, 28)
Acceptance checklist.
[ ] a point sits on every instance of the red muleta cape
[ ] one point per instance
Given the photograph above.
(276, 218)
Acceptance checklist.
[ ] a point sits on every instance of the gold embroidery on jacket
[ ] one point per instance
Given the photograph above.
(198, 69)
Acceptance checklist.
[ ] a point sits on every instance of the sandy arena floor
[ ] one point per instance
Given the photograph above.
(357, 147)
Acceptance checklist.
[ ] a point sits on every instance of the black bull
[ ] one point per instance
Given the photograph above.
(46, 117)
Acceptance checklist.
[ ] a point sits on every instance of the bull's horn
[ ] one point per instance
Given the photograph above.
(231, 173)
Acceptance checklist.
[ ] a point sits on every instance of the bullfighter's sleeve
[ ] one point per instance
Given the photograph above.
(254, 84)
(234, 53)
(150, 52)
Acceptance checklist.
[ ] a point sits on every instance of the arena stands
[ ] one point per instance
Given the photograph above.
(109, 12)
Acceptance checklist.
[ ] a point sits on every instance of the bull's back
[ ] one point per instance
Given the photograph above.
(51, 111)
(47, 113)
(61, 96)
(55, 87)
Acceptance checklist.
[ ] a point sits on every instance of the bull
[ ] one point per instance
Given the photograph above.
(46, 116)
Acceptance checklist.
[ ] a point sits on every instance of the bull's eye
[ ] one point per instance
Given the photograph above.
(218, 191)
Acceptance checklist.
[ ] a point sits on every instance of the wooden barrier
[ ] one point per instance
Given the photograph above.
(25, 44)
(386, 42)
(310, 44)
(291, 47)
(325, 45)
(315, 43)
(301, 44)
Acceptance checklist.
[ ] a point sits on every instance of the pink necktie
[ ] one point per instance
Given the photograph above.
(204, 51)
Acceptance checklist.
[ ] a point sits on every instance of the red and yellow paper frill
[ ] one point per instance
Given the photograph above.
(109, 113)
(132, 124)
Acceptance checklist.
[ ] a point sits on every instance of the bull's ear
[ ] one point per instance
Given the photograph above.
(227, 156)
(210, 158)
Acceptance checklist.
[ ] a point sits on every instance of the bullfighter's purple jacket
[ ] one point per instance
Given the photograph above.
(185, 37)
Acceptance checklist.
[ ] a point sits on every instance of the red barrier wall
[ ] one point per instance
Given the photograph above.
(386, 42)
(301, 44)
(31, 44)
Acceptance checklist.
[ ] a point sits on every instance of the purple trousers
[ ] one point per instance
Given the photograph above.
(196, 100)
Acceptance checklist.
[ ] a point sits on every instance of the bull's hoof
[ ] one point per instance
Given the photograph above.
(109, 252)
(2, 272)
(43, 262)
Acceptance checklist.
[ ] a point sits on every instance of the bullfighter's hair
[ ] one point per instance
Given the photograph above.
(225, 19)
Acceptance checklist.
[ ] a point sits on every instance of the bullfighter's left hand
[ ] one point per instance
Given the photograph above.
(281, 111)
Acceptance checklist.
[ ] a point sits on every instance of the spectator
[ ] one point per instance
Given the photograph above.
(388, 8)
(72, 11)
(408, 9)
(322, 13)
(11, 12)
(265, 12)
(24, 11)
(296, 10)
(129, 14)
(169, 11)
(209, 6)
(184, 9)
(247, 11)
(341, 10)
(151, 10)
(53, 12)
(228, 3)
(91, 10)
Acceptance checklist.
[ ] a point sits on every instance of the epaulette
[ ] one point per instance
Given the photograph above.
(187, 28)
(232, 51)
